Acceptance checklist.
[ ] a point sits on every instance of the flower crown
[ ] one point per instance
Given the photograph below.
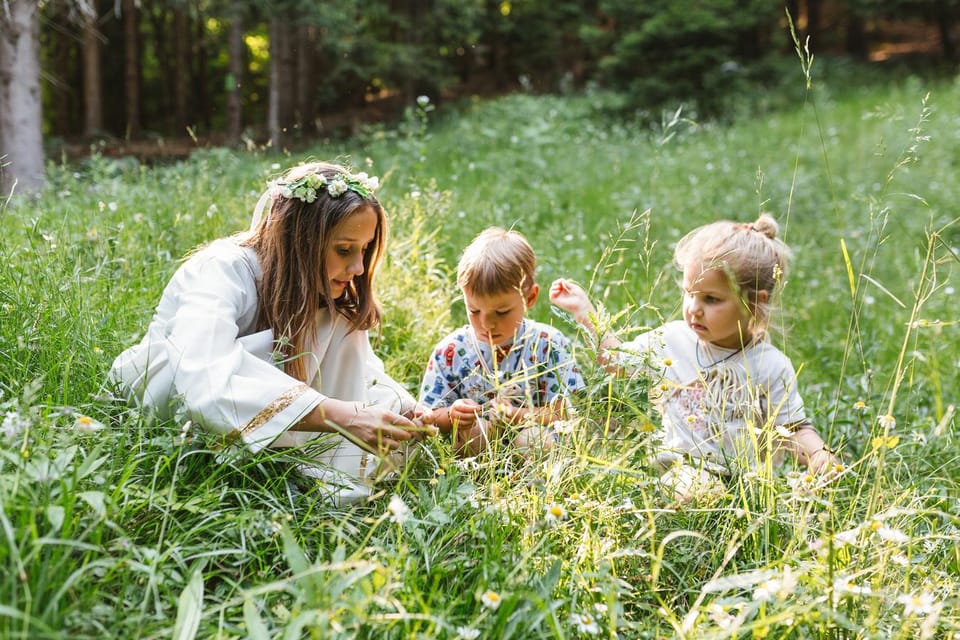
(307, 188)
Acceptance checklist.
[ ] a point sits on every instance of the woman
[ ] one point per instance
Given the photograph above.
(263, 336)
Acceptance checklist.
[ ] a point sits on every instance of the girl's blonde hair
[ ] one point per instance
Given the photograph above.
(291, 243)
(750, 254)
(497, 261)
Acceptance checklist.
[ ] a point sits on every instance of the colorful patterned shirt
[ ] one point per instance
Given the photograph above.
(532, 371)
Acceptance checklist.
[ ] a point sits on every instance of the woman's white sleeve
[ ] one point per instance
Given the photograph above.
(224, 386)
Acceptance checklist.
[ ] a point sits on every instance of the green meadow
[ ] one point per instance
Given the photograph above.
(112, 525)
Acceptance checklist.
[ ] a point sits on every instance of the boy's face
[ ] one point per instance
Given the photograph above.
(496, 318)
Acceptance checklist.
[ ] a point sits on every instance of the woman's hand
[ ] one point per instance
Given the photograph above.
(375, 428)
(571, 297)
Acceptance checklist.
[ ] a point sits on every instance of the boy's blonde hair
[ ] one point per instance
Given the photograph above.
(497, 261)
(750, 254)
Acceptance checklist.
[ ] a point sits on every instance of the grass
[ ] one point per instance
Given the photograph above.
(139, 530)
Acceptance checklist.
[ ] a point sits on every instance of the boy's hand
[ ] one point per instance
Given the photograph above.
(464, 412)
(571, 297)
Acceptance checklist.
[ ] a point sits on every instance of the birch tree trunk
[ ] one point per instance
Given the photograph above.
(21, 122)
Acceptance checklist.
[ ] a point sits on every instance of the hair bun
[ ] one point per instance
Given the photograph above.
(766, 225)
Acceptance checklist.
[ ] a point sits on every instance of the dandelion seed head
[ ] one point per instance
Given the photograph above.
(398, 510)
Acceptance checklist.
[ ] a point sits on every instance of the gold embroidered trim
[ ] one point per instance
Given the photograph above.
(272, 409)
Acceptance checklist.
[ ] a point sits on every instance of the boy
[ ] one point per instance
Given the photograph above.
(501, 370)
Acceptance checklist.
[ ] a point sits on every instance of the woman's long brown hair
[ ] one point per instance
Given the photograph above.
(291, 243)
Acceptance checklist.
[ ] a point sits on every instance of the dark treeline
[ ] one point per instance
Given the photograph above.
(283, 69)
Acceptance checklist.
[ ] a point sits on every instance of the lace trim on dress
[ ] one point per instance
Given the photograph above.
(272, 409)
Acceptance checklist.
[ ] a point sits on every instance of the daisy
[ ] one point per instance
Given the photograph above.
(491, 600)
(585, 623)
(917, 603)
(555, 512)
(86, 424)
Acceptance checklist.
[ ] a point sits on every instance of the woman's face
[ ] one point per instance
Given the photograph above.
(347, 247)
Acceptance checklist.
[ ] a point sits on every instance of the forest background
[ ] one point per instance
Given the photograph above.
(113, 525)
(166, 76)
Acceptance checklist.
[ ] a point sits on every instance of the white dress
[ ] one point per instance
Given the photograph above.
(721, 408)
(201, 355)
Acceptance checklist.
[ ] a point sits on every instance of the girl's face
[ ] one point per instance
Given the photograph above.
(713, 309)
(347, 247)
(496, 318)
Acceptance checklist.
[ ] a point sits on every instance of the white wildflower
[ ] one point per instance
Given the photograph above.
(917, 603)
(13, 424)
(585, 623)
(491, 599)
(719, 616)
(555, 512)
(887, 421)
(398, 509)
(467, 633)
(86, 424)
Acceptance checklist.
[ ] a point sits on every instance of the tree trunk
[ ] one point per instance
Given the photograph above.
(306, 54)
(945, 28)
(131, 32)
(235, 80)
(21, 128)
(814, 21)
(282, 93)
(856, 36)
(92, 92)
(181, 69)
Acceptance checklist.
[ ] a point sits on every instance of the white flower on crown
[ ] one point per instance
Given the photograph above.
(337, 188)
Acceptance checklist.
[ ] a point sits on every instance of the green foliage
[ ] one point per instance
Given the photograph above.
(116, 526)
(690, 51)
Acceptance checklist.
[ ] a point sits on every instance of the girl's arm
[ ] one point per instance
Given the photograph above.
(571, 297)
(556, 410)
(808, 447)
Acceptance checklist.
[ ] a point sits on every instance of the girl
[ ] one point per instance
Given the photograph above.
(726, 395)
(262, 337)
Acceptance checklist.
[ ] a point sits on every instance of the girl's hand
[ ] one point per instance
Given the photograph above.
(821, 461)
(571, 297)
(464, 412)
